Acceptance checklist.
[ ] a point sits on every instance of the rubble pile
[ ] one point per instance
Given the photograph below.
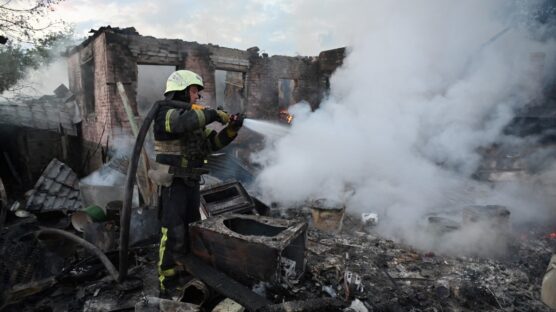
(389, 276)
(259, 262)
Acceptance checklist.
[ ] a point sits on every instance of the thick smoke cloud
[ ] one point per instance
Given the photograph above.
(425, 85)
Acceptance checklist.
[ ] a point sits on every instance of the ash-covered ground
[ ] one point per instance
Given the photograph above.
(355, 266)
(390, 276)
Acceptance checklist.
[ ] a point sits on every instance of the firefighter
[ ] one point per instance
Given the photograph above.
(182, 143)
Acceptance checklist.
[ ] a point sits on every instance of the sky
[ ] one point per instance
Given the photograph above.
(275, 26)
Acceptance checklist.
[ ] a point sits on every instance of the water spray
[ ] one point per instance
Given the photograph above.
(266, 128)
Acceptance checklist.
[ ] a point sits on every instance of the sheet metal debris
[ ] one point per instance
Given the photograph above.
(440, 225)
(229, 197)
(495, 215)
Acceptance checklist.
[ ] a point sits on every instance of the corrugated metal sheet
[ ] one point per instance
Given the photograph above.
(47, 112)
(56, 189)
(227, 167)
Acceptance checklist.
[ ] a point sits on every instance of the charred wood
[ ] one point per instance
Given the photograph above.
(90, 247)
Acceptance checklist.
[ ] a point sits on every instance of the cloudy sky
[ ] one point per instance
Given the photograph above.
(275, 26)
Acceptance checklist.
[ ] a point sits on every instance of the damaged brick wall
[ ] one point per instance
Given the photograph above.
(263, 83)
(328, 62)
(95, 125)
(122, 67)
(131, 50)
(202, 59)
(198, 60)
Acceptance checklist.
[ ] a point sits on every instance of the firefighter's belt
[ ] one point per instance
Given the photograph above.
(173, 147)
(188, 173)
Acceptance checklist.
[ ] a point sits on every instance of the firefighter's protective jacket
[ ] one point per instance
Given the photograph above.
(181, 138)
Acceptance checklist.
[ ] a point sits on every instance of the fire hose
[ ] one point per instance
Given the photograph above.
(92, 248)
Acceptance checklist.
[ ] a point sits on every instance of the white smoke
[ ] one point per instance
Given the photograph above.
(41, 81)
(113, 173)
(424, 85)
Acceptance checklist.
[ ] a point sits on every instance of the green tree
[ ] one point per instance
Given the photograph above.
(29, 21)
(32, 36)
(15, 61)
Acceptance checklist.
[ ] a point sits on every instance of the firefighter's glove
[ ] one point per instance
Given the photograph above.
(236, 121)
(223, 117)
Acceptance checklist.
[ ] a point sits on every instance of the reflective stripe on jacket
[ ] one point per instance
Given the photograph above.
(181, 138)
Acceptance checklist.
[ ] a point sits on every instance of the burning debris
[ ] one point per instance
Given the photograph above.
(285, 116)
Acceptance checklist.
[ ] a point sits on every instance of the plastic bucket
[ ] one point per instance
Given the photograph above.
(96, 213)
(327, 218)
(90, 214)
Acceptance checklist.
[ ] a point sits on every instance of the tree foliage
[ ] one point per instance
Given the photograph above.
(32, 35)
(16, 61)
(29, 21)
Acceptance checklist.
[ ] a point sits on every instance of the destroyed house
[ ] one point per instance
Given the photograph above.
(80, 125)
(239, 80)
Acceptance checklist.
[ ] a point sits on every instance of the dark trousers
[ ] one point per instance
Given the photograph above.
(180, 206)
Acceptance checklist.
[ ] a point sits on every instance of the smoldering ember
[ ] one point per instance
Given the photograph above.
(440, 201)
